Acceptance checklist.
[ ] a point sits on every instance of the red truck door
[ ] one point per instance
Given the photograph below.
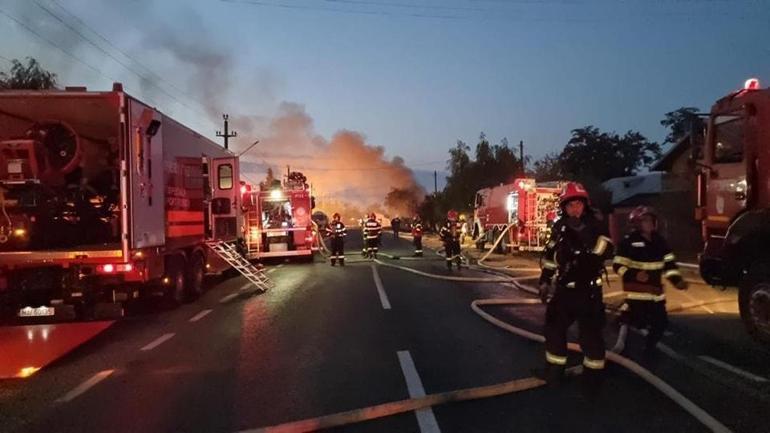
(224, 203)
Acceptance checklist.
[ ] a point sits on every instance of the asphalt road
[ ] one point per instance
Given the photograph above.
(330, 339)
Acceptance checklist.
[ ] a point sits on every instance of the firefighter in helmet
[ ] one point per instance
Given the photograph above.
(643, 260)
(450, 236)
(336, 231)
(574, 255)
(417, 235)
(372, 231)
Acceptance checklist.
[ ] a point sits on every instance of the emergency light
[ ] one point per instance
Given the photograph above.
(751, 84)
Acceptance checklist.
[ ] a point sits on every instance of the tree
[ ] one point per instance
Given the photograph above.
(548, 168)
(596, 155)
(29, 77)
(403, 201)
(681, 122)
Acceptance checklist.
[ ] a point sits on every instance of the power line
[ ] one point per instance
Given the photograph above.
(340, 10)
(116, 48)
(107, 53)
(57, 46)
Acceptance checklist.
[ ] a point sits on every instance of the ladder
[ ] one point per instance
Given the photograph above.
(230, 254)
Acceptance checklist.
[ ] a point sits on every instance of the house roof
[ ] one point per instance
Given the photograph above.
(666, 162)
(623, 188)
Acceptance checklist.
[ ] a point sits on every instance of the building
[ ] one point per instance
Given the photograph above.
(669, 187)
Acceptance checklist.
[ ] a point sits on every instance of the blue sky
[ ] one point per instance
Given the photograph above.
(414, 75)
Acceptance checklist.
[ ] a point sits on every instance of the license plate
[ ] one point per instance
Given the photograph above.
(36, 312)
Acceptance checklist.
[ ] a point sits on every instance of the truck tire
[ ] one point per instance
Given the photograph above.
(754, 301)
(175, 292)
(196, 271)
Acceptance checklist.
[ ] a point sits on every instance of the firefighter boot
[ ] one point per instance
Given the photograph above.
(552, 374)
(449, 264)
(342, 262)
(334, 262)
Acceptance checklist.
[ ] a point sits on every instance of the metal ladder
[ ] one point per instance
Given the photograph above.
(230, 254)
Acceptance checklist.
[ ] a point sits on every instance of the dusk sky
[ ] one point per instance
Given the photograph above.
(412, 76)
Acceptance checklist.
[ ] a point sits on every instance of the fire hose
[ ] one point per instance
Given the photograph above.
(393, 408)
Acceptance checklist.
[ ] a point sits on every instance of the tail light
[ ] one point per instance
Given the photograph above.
(110, 268)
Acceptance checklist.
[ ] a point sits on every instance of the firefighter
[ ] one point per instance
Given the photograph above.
(395, 224)
(336, 231)
(575, 255)
(372, 231)
(417, 235)
(450, 236)
(643, 259)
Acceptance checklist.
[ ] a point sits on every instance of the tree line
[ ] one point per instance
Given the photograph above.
(590, 156)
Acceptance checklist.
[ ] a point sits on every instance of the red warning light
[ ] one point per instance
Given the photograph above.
(751, 84)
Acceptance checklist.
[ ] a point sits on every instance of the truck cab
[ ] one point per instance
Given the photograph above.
(734, 202)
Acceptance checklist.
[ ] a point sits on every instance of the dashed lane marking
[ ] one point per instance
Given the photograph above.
(157, 342)
(85, 386)
(380, 288)
(425, 417)
(200, 315)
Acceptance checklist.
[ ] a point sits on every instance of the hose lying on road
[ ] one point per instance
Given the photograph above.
(387, 409)
(402, 406)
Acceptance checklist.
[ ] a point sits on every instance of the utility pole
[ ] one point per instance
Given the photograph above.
(521, 156)
(435, 182)
(227, 135)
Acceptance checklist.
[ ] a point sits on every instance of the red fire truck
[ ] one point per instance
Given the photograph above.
(104, 199)
(277, 219)
(531, 207)
(734, 201)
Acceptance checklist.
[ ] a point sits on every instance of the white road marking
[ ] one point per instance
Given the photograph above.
(708, 310)
(271, 270)
(734, 369)
(425, 418)
(157, 342)
(380, 288)
(85, 386)
(687, 265)
(228, 297)
(279, 266)
(200, 315)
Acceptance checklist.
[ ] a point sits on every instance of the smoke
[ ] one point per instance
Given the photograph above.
(347, 173)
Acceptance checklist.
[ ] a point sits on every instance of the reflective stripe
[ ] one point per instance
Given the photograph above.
(646, 266)
(340, 257)
(672, 273)
(639, 296)
(547, 264)
(624, 307)
(555, 359)
(622, 270)
(551, 244)
(571, 285)
(417, 251)
(593, 364)
(599, 281)
(601, 245)
(670, 257)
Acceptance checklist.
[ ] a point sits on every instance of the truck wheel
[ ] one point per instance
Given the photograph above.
(195, 275)
(754, 302)
(175, 290)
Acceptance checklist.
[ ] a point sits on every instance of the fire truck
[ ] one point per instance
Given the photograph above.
(104, 199)
(531, 207)
(734, 201)
(277, 220)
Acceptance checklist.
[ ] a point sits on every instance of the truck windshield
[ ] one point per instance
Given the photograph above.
(728, 138)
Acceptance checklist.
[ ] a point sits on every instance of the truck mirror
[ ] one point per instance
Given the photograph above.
(220, 206)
